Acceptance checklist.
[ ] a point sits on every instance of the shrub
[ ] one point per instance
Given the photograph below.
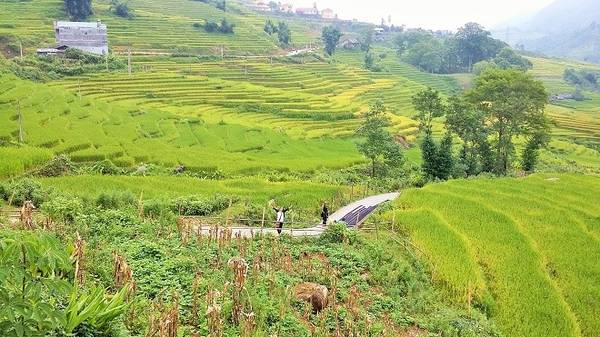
(106, 167)
(338, 233)
(115, 199)
(19, 191)
(59, 166)
(196, 206)
(63, 209)
(211, 27)
(121, 9)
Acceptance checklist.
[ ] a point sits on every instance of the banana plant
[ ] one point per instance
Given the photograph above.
(94, 307)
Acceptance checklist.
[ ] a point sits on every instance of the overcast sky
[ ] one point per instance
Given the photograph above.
(433, 14)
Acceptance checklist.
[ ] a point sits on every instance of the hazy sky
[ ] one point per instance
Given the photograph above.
(434, 14)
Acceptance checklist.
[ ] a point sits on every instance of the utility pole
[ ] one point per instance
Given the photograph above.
(129, 61)
(20, 121)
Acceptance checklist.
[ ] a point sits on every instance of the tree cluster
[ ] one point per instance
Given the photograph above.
(503, 105)
(121, 9)
(331, 37)
(284, 35)
(379, 146)
(78, 10)
(212, 27)
(583, 78)
(445, 53)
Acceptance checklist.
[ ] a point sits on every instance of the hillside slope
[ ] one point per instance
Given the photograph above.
(574, 31)
(526, 250)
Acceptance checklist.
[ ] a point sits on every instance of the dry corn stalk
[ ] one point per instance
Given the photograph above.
(248, 324)
(213, 313)
(195, 300)
(240, 269)
(122, 275)
(164, 320)
(78, 257)
(26, 215)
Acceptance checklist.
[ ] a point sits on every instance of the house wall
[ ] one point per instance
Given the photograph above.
(90, 38)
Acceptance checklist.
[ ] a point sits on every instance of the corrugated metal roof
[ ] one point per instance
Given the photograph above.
(79, 24)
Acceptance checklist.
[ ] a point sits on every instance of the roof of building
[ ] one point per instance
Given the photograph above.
(79, 24)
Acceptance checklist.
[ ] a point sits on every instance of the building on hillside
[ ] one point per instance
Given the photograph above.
(90, 37)
(259, 6)
(350, 43)
(328, 14)
(287, 8)
(308, 11)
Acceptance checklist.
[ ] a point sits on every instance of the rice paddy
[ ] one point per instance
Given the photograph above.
(524, 249)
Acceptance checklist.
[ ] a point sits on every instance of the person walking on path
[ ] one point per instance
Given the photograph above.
(325, 213)
(280, 217)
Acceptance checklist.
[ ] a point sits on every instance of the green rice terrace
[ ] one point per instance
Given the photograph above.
(127, 180)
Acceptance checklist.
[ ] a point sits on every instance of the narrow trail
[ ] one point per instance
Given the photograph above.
(353, 214)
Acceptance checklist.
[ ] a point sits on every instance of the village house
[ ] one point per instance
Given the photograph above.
(90, 37)
(259, 6)
(349, 43)
(308, 11)
(328, 14)
(287, 8)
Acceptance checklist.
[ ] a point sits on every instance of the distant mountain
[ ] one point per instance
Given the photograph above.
(565, 28)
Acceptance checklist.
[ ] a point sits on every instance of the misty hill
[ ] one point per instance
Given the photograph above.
(565, 28)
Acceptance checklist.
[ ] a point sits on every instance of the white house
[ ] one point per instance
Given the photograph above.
(90, 37)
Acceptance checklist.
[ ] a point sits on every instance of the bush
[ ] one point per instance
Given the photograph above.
(114, 200)
(338, 233)
(121, 9)
(19, 191)
(59, 166)
(63, 209)
(211, 27)
(196, 206)
(106, 167)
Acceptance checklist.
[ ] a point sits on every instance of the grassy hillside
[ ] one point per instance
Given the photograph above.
(524, 250)
(157, 26)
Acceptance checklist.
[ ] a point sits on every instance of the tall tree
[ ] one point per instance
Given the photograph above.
(476, 44)
(429, 154)
(378, 146)
(513, 104)
(78, 9)
(445, 158)
(331, 37)
(429, 105)
(284, 35)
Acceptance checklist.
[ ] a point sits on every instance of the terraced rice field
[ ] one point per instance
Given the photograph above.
(526, 250)
(158, 26)
(307, 100)
(92, 129)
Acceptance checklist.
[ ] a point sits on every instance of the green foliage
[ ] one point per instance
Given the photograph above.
(198, 206)
(429, 105)
(429, 153)
(121, 9)
(284, 34)
(452, 53)
(270, 27)
(32, 284)
(105, 167)
(513, 105)
(583, 78)
(331, 37)
(18, 191)
(78, 10)
(63, 209)
(94, 308)
(338, 233)
(445, 158)
(379, 145)
(58, 166)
